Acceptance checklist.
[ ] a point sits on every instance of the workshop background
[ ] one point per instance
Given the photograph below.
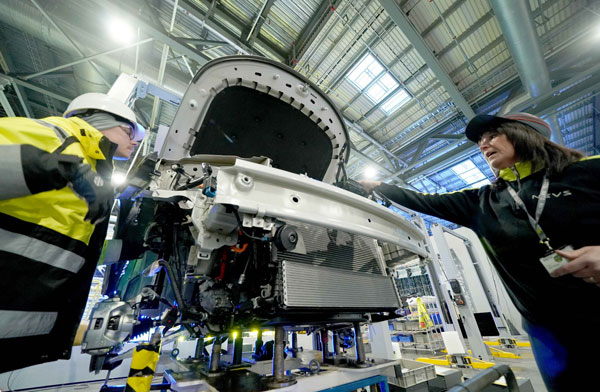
(407, 75)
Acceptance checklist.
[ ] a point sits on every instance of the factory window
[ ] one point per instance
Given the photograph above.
(371, 77)
(396, 101)
(424, 184)
(382, 87)
(365, 71)
(470, 174)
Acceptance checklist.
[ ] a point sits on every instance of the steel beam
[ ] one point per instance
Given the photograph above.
(225, 34)
(203, 42)
(543, 105)
(5, 104)
(370, 139)
(259, 21)
(207, 16)
(596, 124)
(418, 42)
(486, 50)
(427, 134)
(79, 52)
(331, 46)
(550, 101)
(454, 136)
(449, 11)
(34, 87)
(310, 32)
(419, 151)
(161, 75)
(7, 65)
(448, 158)
(153, 31)
(405, 50)
(472, 28)
(386, 120)
(88, 58)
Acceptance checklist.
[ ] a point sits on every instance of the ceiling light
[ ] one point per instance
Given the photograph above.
(370, 172)
(120, 31)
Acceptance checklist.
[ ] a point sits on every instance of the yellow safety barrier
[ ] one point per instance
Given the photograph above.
(489, 343)
(441, 360)
(514, 342)
(503, 354)
(500, 353)
(447, 361)
(479, 364)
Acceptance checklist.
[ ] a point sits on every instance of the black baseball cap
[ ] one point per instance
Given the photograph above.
(483, 122)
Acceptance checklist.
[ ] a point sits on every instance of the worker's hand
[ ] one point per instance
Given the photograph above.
(98, 193)
(368, 186)
(584, 264)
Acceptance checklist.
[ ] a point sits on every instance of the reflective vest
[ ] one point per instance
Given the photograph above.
(43, 236)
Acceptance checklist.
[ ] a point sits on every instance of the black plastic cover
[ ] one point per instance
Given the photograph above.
(245, 122)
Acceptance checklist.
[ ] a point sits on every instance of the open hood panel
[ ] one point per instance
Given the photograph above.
(250, 106)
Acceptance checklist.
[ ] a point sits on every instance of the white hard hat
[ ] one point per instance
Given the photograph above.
(105, 103)
(99, 101)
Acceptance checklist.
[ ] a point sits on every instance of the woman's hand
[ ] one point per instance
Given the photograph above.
(368, 186)
(584, 264)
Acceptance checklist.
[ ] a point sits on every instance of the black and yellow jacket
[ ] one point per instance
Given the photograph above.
(48, 252)
(571, 217)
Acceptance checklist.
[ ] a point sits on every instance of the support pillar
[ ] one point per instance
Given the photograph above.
(279, 379)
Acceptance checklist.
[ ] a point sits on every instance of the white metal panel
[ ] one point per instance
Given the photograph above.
(277, 193)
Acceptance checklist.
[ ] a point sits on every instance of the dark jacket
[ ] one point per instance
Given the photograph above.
(571, 217)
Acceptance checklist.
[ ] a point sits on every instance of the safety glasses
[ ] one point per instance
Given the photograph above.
(129, 130)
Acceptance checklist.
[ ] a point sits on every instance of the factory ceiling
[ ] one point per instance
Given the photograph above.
(407, 75)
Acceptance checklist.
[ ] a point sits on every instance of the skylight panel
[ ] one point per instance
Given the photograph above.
(481, 183)
(374, 68)
(396, 101)
(370, 76)
(382, 87)
(388, 81)
(470, 174)
(376, 93)
(365, 71)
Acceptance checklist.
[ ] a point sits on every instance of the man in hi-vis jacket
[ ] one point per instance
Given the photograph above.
(55, 200)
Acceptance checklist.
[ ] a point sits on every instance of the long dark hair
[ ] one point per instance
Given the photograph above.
(531, 146)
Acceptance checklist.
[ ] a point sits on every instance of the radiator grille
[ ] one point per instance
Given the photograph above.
(313, 287)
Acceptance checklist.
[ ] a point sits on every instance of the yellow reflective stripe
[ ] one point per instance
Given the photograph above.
(60, 133)
(19, 323)
(590, 158)
(40, 251)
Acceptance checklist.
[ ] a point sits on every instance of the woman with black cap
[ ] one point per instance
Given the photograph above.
(538, 223)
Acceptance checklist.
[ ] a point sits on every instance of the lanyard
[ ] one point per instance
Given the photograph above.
(538, 210)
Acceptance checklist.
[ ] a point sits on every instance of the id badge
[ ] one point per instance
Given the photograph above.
(553, 261)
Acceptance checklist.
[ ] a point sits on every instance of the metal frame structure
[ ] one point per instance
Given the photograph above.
(376, 147)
